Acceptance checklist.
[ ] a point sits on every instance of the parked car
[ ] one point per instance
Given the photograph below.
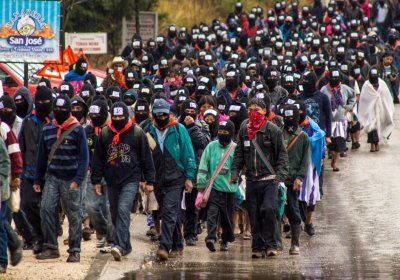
(12, 76)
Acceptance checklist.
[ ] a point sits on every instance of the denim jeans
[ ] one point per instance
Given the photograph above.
(150, 220)
(121, 201)
(262, 202)
(3, 236)
(84, 213)
(53, 190)
(22, 224)
(169, 201)
(98, 209)
(292, 209)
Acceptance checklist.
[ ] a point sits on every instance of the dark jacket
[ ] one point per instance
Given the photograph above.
(200, 136)
(239, 95)
(176, 162)
(29, 135)
(270, 140)
(299, 156)
(25, 94)
(124, 162)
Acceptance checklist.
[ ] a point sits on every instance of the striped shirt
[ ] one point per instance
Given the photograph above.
(13, 149)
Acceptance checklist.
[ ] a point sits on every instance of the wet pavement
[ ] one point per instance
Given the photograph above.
(357, 231)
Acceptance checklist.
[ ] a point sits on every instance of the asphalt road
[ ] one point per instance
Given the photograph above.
(357, 231)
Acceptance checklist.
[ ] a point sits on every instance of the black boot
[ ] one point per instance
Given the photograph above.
(295, 246)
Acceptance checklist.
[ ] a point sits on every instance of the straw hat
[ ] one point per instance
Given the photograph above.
(116, 60)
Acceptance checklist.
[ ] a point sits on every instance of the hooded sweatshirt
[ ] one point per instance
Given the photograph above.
(24, 93)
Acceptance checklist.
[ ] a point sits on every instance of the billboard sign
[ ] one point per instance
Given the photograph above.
(29, 30)
(148, 27)
(90, 43)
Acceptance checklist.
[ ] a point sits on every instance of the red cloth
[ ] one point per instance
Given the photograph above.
(13, 149)
(305, 122)
(97, 129)
(171, 123)
(257, 120)
(271, 116)
(64, 126)
(118, 133)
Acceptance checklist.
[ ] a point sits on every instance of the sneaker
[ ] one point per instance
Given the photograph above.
(210, 245)
(152, 231)
(162, 255)
(37, 248)
(100, 242)
(47, 254)
(309, 229)
(199, 228)
(224, 247)
(175, 254)
(116, 253)
(257, 254)
(294, 250)
(272, 252)
(155, 238)
(16, 256)
(190, 241)
(343, 154)
(74, 257)
(106, 248)
(86, 234)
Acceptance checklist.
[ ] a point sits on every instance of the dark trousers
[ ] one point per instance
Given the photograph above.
(220, 209)
(191, 214)
(292, 210)
(22, 224)
(30, 202)
(261, 203)
(169, 201)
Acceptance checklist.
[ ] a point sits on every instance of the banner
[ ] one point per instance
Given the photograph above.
(89, 43)
(29, 30)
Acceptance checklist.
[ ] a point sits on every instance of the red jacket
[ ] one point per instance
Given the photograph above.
(13, 149)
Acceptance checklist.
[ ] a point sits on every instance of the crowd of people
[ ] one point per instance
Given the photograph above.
(229, 126)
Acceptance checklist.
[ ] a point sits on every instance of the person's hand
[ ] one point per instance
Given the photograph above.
(73, 186)
(97, 189)
(142, 186)
(37, 188)
(328, 140)
(148, 188)
(232, 181)
(297, 184)
(188, 120)
(188, 186)
(393, 78)
(15, 183)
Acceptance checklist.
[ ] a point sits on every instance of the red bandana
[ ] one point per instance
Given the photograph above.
(305, 122)
(65, 125)
(97, 129)
(118, 133)
(271, 116)
(257, 120)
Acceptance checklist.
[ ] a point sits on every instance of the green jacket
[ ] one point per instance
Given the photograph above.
(5, 166)
(210, 159)
(177, 161)
(299, 156)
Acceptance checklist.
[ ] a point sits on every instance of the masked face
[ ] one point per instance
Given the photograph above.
(141, 116)
(119, 122)
(201, 44)
(8, 116)
(373, 79)
(98, 120)
(22, 108)
(164, 72)
(162, 120)
(224, 137)
(129, 100)
(271, 83)
(334, 82)
(212, 125)
(191, 87)
(43, 108)
(231, 84)
(189, 112)
(77, 112)
(61, 115)
(290, 88)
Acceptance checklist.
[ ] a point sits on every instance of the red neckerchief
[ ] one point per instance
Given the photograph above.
(118, 133)
(46, 119)
(235, 93)
(257, 120)
(270, 116)
(171, 123)
(97, 129)
(305, 122)
(65, 125)
(335, 89)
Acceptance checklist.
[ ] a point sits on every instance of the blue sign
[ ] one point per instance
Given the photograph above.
(29, 30)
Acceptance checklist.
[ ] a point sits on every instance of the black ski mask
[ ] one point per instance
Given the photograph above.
(117, 110)
(7, 110)
(291, 118)
(61, 109)
(98, 112)
(43, 102)
(188, 104)
(142, 111)
(212, 114)
(226, 132)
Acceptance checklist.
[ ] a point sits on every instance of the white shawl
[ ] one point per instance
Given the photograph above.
(376, 109)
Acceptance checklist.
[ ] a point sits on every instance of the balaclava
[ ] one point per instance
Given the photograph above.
(142, 110)
(291, 118)
(63, 102)
(119, 109)
(188, 104)
(113, 94)
(44, 109)
(87, 91)
(67, 89)
(309, 83)
(6, 102)
(98, 112)
(223, 138)
(213, 126)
